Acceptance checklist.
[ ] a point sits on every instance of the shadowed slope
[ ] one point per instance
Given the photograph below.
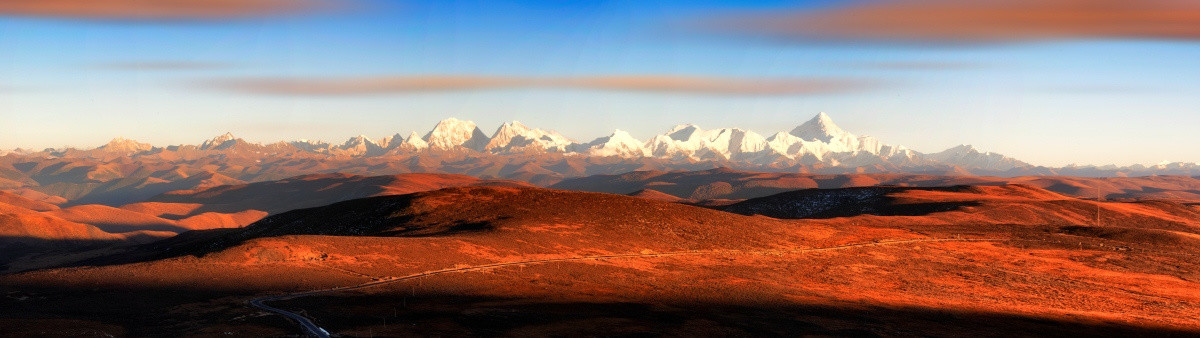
(26, 232)
(1162, 224)
(1005, 204)
(505, 217)
(863, 275)
(135, 186)
(203, 209)
(166, 210)
(115, 220)
(656, 195)
(23, 223)
(1053, 264)
(724, 183)
(35, 195)
(830, 203)
(18, 201)
(34, 227)
(313, 190)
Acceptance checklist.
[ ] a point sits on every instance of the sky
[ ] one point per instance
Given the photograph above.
(1049, 82)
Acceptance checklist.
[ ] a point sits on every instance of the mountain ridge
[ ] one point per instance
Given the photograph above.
(819, 140)
(125, 171)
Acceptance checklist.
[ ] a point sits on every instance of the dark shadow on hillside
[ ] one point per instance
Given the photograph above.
(845, 202)
(119, 228)
(458, 228)
(138, 311)
(17, 248)
(279, 196)
(134, 188)
(404, 314)
(133, 311)
(1141, 194)
(384, 216)
(25, 166)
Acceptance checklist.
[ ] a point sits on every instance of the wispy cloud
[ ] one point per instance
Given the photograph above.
(162, 9)
(973, 21)
(164, 65)
(914, 65)
(1099, 89)
(645, 83)
(10, 88)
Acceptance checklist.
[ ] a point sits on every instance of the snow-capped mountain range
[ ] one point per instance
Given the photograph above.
(817, 145)
(818, 141)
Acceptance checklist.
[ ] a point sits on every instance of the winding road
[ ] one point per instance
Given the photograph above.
(316, 331)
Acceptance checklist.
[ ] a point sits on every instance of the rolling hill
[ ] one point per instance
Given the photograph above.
(40, 227)
(724, 183)
(530, 261)
(308, 191)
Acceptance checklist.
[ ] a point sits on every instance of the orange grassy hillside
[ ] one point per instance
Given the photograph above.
(314, 190)
(1017, 264)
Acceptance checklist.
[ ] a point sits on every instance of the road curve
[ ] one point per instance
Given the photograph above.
(309, 327)
(316, 331)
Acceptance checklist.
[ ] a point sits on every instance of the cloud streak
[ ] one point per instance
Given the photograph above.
(160, 9)
(973, 21)
(914, 65)
(646, 83)
(164, 65)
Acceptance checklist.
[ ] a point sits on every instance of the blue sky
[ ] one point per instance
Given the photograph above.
(79, 82)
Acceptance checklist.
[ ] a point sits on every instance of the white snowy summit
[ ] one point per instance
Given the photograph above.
(967, 156)
(361, 146)
(220, 142)
(795, 147)
(817, 142)
(690, 141)
(415, 141)
(515, 137)
(123, 145)
(405, 145)
(391, 141)
(822, 129)
(453, 133)
(311, 146)
(620, 144)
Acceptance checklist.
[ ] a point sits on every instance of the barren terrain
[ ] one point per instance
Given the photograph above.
(1013, 259)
